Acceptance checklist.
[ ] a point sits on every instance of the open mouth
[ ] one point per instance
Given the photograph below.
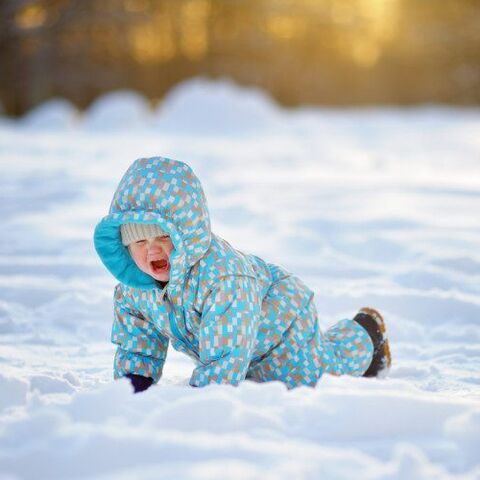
(160, 265)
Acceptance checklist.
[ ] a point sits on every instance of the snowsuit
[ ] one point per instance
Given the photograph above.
(234, 314)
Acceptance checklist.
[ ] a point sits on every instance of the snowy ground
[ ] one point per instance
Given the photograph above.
(374, 207)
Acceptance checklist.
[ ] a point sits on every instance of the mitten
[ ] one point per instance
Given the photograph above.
(139, 382)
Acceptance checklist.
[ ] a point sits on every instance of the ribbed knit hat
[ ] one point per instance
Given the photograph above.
(132, 232)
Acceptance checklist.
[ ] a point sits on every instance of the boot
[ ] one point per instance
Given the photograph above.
(374, 324)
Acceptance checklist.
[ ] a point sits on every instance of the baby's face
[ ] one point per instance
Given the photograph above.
(152, 256)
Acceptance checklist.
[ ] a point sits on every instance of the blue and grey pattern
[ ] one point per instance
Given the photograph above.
(234, 314)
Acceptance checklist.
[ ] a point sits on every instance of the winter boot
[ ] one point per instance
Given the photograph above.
(374, 324)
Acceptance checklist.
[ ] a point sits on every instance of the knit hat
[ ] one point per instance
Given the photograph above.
(132, 232)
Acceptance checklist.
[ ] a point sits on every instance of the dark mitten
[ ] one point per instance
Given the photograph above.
(139, 382)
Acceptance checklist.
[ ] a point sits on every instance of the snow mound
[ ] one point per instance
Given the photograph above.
(204, 107)
(118, 110)
(54, 114)
(202, 434)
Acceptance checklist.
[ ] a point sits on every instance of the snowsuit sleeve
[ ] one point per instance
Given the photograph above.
(141, 348)
(230, 319)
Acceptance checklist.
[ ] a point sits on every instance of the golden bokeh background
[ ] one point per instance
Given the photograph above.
(303, 52)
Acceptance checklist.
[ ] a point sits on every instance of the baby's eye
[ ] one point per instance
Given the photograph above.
(140, 242)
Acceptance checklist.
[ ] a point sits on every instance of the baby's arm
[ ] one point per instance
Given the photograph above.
(228, 330)
(141, 350)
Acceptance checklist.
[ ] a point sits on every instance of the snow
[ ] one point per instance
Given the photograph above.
(54, 114)
(121, 109)
(369, 206)
(201, 107)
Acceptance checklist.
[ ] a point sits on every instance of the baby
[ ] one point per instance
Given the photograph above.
(235, 315)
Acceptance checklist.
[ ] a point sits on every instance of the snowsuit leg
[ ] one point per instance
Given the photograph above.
(305, 353)
(347, 349)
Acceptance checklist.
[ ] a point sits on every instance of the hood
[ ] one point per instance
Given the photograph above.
(158, 191)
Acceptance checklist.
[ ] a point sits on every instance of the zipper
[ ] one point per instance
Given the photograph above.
(174, 326)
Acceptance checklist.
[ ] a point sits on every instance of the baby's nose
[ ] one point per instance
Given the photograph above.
(154, 248)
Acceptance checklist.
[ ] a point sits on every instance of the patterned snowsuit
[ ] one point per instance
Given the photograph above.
(235, 315)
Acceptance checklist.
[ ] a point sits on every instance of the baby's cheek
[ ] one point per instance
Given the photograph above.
(142, 261)
(138, 258)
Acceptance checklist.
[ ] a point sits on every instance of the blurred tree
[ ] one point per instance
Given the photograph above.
(337, 52)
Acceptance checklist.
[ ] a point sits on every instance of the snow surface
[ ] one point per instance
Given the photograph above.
(370, 207)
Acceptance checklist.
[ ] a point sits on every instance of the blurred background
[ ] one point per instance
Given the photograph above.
(303, 52)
